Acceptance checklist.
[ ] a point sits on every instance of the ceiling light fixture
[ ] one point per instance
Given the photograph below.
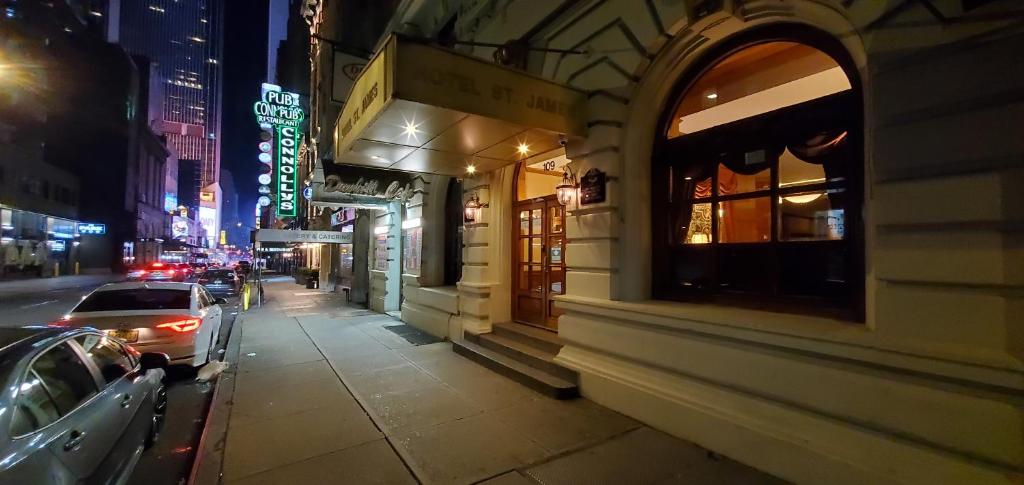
(411, 129)
(713, 96)
(470, 169)
(523, 148)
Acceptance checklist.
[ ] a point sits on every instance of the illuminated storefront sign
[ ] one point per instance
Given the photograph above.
(91, 228)
(282, 113)
(208, 219)
(179, 228)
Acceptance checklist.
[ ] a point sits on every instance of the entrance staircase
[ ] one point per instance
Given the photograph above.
(523, 354)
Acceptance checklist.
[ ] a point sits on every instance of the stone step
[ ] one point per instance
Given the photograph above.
(535, 379)
(532, 336)
(527, 354)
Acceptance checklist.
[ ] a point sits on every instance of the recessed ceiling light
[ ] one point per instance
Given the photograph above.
(713, 96)
(523, 148)
(470, 169)
(411, 129)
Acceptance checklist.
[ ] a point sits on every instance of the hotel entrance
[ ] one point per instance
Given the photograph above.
(539, 242)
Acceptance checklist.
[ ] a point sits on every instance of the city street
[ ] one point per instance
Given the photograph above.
(169, 461)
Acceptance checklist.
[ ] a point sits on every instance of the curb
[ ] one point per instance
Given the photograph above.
(206, 467)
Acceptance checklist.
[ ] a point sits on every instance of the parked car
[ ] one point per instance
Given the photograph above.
(181, 320)
(198, 268)
(160, 272)
(82, 406)
(221, 282)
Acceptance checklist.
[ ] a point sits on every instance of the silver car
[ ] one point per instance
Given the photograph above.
(82, 406)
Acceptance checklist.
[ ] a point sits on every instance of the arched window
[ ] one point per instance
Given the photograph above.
(757, 180)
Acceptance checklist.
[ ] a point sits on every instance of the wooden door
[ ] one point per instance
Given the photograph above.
(539, 269)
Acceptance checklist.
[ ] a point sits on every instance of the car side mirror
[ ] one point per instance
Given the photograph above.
(220, 301)
(154, 360)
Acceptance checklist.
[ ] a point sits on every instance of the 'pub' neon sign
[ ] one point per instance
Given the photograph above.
(282, 112)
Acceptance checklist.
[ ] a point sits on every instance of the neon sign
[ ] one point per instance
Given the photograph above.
(92, 228)
(282, 113)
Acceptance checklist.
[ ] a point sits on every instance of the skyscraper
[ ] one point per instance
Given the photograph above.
(184, 39)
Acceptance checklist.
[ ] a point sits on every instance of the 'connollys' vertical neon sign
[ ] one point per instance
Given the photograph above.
(282, 112)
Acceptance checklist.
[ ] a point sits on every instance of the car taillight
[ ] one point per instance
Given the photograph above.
(174, 271)
(182, 326)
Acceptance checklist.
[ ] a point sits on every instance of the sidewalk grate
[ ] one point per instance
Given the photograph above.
(412, 334)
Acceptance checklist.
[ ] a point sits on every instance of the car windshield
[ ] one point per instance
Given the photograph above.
(135, 299)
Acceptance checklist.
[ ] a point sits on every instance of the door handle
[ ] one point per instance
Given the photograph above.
(126, 400)
(75, 439)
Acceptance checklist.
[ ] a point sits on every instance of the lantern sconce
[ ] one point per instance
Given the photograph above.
(566, 191)
(472, 209)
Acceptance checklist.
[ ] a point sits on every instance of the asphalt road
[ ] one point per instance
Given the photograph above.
(170, 460)
(39, 307)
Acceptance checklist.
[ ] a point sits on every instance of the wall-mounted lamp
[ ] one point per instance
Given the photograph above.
(566, 191)
(472, 211)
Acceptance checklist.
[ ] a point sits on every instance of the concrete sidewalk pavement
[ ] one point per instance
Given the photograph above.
(325, 393)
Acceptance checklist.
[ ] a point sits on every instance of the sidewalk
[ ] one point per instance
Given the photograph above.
(11, 288)
(326, 394)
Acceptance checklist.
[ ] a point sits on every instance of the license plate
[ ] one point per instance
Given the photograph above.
(217, 282)
(126, 335)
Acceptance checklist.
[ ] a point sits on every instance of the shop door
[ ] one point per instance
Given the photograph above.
(539, 262)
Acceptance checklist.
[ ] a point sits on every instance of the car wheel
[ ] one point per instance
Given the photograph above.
(159, 417)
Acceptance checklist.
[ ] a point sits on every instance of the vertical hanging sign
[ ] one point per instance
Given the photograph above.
(281, 111)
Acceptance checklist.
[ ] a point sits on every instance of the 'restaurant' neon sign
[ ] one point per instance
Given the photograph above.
(282, 112)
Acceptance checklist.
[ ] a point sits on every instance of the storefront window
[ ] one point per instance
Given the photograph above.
(757, 184)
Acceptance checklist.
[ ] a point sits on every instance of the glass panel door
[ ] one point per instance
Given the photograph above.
(539, 264)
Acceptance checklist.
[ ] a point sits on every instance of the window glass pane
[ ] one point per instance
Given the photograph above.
(730, 182)
(537, 227)
(557, 283)
(524, 222)
(556, 219)
(695, 224)
(34, 408)
(555, 251)
(795, 172)
(109, 357)
(536, 255)
(811, 216)
(380, 253)
(135, 299)
(702, 189)
(411, 250)
(524, 250)
(66, 377)
(759, 79)
(744, 220)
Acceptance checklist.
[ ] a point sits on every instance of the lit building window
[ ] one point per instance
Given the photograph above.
(759, 184)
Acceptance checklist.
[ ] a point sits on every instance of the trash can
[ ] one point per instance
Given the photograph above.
(313, 280)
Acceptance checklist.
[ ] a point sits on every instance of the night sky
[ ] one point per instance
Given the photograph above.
(245, 68)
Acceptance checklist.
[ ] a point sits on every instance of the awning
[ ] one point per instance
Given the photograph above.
(426, 109)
